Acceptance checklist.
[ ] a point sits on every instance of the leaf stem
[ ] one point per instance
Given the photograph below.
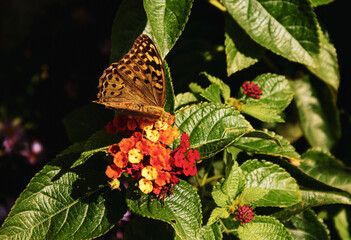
(204, 179)
(213, 178)
(218, 5)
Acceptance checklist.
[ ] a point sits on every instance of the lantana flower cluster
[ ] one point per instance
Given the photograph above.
(146, 157)
(251, 89)
(244, 214)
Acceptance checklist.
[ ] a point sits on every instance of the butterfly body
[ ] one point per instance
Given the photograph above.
(136, 85)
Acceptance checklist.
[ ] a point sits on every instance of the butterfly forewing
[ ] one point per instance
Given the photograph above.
(136, 83)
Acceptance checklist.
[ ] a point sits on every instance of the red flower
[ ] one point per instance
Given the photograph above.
(174, 179)
(179, 159)
(113, 149)
(189, 169)
(244, 214)
(185, 138)
(251, 89)
(193, 155)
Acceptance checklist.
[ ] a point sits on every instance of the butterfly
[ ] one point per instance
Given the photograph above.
(136, 85)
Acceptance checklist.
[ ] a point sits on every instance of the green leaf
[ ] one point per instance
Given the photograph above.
(261, 111)
(241, 51)
(182, 209)
(282, 189)
(325, 168)
(167, 20)
(225, 191)
(312, 198)
(170, 99)
(327, 67)
(98, 142)
(195, 88)
(83, 122)
(264, 134)
(230, 225)
(316, 3)
(308, 226)
(211, 127)
(225, 89)
(216, 214)
(287, 28)
(251, 195)
(263, 227)
(128, 24)
(277, 92)
(212, 232)
(64, 203)
(319, 120)
(183, 99)
(260, 145)
(342, 224)
(212, 93)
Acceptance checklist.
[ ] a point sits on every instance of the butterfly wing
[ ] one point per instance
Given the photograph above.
(137, 82)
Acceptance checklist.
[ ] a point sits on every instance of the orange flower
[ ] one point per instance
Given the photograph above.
(126, 144)
(120, 159)
(163, 178)
(169, 135)
(144, 146)
(112, 171)
(159, 157)
(145, 156)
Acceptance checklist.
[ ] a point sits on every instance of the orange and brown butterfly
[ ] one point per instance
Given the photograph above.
(136, 85)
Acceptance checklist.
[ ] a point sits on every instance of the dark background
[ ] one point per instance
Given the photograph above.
(54, 51)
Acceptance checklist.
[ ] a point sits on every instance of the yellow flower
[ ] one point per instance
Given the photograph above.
(152, 135)
(134, 156)
(160, 125)
(145, 185)
(149, 173)
(147, 126)
(114, 184)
